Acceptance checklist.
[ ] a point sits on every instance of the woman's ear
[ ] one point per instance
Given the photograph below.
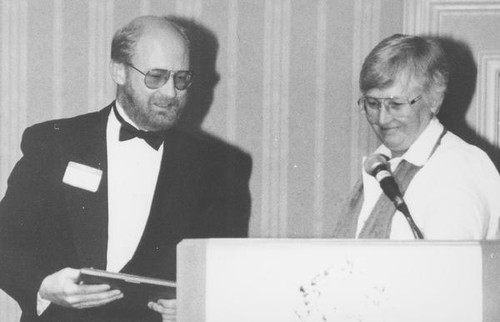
(436, 102)
(118, 72)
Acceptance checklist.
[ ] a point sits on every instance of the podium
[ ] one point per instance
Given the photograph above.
(314, 280)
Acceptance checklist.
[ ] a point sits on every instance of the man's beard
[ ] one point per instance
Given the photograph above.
(156, 114)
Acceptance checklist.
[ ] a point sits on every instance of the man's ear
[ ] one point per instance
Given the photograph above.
(118, 72)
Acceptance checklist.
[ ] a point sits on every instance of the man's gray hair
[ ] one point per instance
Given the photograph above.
(126, 38)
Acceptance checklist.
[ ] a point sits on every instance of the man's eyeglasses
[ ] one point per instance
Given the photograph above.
(393, 105)
(156, 78)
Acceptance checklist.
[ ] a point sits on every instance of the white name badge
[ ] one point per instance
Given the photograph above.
(82, 176)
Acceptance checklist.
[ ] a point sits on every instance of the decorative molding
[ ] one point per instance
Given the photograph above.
(488, 86)
(100, 22)
(13, 99)
(189, 8)
(275, 144)
(425, 16)
(366, 34)
(57, 59)
(232, 71)
(14, 62)
(319, 116)
(145, 8)
(497, 108)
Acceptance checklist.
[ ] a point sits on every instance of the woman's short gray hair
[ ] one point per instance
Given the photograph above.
(421, 58)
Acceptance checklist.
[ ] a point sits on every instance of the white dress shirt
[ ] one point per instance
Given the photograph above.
(133, 168)
(454, 196)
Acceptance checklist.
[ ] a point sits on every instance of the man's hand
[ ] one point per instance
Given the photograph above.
(62, 288)
(167, 308)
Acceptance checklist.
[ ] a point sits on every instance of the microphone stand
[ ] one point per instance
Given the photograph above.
(377, 166)
(401, 206)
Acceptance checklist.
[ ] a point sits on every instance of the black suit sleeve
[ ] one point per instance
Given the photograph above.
(21, 216)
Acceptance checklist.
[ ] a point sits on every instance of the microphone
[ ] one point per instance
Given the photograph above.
(377, 166)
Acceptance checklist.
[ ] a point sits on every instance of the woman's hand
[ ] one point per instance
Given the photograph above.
(167, 309)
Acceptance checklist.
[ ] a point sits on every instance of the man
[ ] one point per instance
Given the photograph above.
(450, 187)
(117, 189)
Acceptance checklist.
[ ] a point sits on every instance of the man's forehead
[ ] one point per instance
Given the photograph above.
(163, 33)
(161, 46)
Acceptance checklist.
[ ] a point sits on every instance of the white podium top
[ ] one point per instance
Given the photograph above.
(309, 280)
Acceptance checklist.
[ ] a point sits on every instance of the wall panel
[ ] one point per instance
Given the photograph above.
(13, 106)
(471, 27)
(285, 89)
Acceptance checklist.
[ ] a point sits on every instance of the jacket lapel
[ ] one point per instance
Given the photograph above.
(176, 187)
(88, 211)
(174, 199)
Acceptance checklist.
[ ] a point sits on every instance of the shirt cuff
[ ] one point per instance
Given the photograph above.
(41, 304)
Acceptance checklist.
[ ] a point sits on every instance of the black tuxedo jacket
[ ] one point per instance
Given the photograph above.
(46, 225)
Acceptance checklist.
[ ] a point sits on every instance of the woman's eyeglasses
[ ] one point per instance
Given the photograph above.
(393, 105)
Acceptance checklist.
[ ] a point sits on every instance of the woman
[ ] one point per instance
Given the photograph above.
(450, 187)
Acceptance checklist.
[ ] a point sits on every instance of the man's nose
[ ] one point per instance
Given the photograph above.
(168, 89)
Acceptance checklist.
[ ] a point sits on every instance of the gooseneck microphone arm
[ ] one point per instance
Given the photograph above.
(377, 166)
(414, 228)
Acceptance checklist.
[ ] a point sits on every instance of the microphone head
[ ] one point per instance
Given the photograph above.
(375, 162)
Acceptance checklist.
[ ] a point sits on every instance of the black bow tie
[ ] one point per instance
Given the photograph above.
(127, 132)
